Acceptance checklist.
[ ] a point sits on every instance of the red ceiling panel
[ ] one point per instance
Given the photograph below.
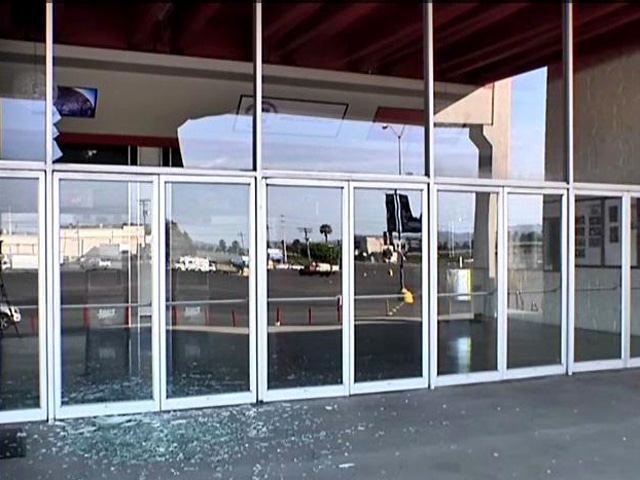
(473, 42)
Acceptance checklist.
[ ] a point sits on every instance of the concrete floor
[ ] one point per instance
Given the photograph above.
(586, 426)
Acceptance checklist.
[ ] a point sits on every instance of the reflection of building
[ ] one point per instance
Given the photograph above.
(77, 241)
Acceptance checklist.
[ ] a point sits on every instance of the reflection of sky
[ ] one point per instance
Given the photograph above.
(209, 213)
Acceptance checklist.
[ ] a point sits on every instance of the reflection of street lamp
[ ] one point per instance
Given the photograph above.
(399, 137)
(397, 200)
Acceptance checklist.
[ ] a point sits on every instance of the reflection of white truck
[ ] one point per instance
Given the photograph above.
(194, 264)
(20, 262)
(318, 268)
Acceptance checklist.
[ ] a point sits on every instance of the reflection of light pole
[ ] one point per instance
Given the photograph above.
(284, 241)
(145, 212)
(397, 200)
(399, 137)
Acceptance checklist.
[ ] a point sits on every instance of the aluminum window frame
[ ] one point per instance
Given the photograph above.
(308, 392)
(209, 400)
(103, 408)
(398, 384)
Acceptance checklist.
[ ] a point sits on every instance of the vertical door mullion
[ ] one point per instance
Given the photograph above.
(346, 290)
(55, 329)
(161, 295)
(433, 285)
(351, 291)
(424, 279)
(625, 290)
(502, 283)
(571, 281)
(261, 289)
(253, 304)
(564, 266)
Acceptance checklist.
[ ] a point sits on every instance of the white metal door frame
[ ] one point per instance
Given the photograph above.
(213, 399)
(632, 361)
(401, 383)
(264, 393)
(622, 360)
(542, 370)
(483, 376)
(39, 413)
(107, 408)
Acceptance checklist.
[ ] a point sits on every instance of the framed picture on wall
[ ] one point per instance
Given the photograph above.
(595, 220)
(613, 214)
(595, 231)
(614, 235)
(594, 242)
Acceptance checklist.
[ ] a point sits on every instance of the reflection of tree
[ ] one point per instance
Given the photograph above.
(179, 243)
(222, 245)
(296, 247)
(235, 248)
(324, 253)
(326, 230)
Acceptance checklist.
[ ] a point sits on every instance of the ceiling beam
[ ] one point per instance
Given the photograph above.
(490, 15)
(444, 13)
(195, 22)
(385, 45)
(392, 39)
(146, 17)
(328, 26)
(286, 19)
(499, 50)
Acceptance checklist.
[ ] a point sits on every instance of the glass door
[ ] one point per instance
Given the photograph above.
(304, 341)
(633, 223)
(105, 260)
(22, 298)
(535, 277)
(388, 271)
(470, 285)
(207, 288)
(599, 291)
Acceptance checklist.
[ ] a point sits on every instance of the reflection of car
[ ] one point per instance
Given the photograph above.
(320, 269)
(92, 263)
(9, 316)
(194, 264)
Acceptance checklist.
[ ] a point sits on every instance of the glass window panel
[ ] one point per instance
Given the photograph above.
(388, 284)
(534, 297)
(164, 88)
(635, 278)
(499, 91)
(343, 87)
(467, 282)
(22, 81)
(207, 273)
(304, 249)
(106, 290)
(606, 92)
(598, 278)
(19, 301)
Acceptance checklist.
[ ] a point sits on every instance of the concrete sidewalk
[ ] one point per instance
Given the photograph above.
(582, 427)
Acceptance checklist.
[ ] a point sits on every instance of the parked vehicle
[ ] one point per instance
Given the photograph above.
(9, 316)
(193, 264)
(318, 269)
